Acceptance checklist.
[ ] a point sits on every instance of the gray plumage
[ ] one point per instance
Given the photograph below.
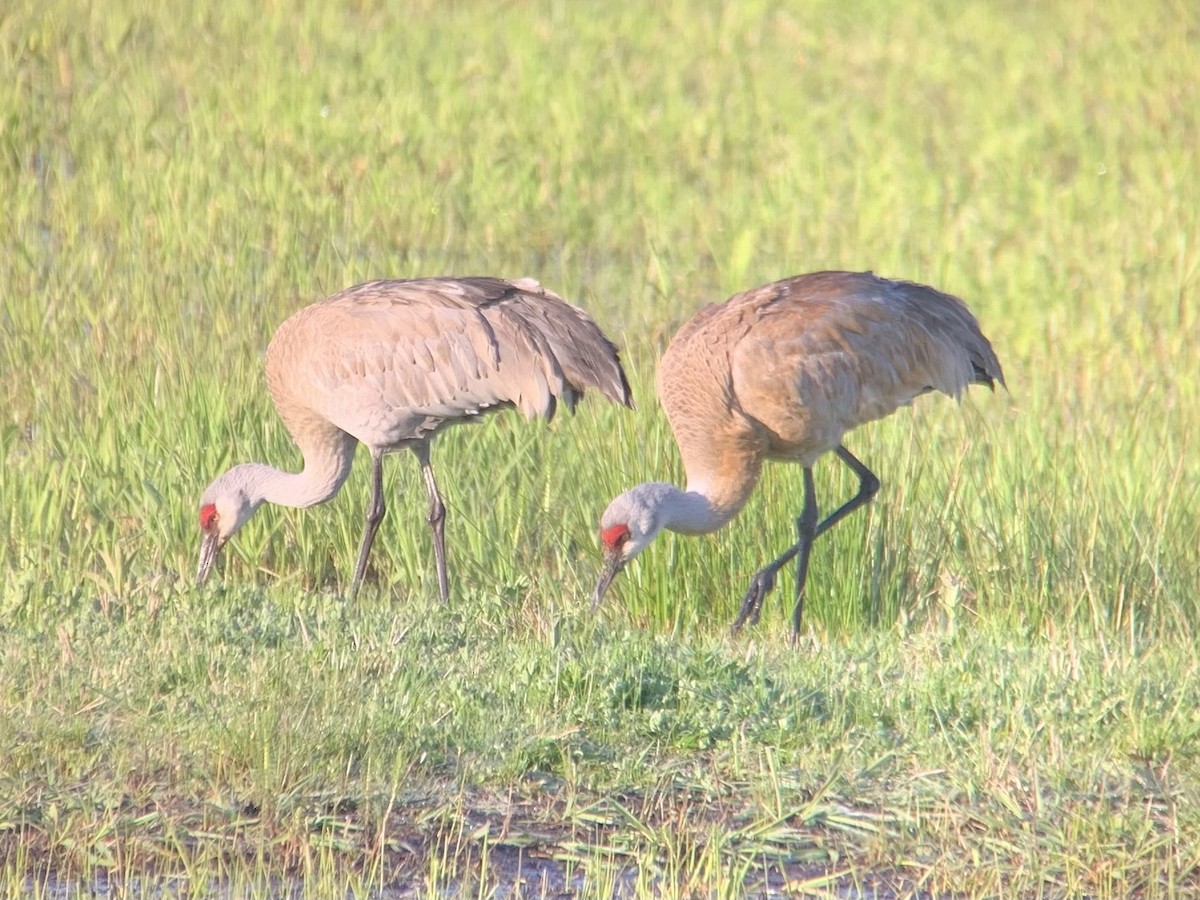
(393, 363)
(782, 372)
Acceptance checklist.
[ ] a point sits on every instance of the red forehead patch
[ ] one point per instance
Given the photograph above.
(208, 517)
(614, 536)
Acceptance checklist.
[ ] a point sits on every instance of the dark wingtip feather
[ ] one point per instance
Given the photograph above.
(983, 376)
(626, 392)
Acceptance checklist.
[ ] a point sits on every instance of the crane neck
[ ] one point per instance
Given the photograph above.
(724, 489)
(710, 501)
(326, 467)
(689, 511)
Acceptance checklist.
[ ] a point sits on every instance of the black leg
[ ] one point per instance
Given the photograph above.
(806, 532)
(375, 512)
(437, 520)
(764, 580)
(868, 486)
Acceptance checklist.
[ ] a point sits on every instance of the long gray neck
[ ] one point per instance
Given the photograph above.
(686, 512)
(326, 467)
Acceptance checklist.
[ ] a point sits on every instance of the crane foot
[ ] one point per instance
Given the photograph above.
(760, 585)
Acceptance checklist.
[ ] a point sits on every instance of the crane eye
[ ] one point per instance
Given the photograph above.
(208, 517)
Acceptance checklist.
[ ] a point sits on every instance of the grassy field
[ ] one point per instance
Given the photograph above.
(998, 688)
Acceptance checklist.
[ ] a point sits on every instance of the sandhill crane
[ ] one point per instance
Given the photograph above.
(391, 364)
(782, 372)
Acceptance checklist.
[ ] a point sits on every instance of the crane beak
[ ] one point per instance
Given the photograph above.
(209, 549)
(612, 565)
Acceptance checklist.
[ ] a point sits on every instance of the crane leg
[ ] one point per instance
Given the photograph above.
(437, 520)
(868, 486)
(764, 580)
(806, 531)
(375, 513)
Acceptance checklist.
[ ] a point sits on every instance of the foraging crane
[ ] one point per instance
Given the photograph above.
(782, 372)
(392, 364)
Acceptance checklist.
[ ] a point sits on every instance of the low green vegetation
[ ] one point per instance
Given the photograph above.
(997, 690)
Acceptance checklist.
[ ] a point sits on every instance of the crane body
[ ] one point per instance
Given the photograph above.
(390, 364)
(782, 372)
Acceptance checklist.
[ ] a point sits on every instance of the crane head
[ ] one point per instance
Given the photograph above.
(211, 541)
(627, 527)
(225, 507)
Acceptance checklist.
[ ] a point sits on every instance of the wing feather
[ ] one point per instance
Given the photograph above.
(394, 361)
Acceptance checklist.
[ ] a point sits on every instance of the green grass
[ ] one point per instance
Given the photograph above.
(996, 693)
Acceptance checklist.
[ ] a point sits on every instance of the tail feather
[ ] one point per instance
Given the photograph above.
(588, 359)
(949, 317)
(984, 364)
